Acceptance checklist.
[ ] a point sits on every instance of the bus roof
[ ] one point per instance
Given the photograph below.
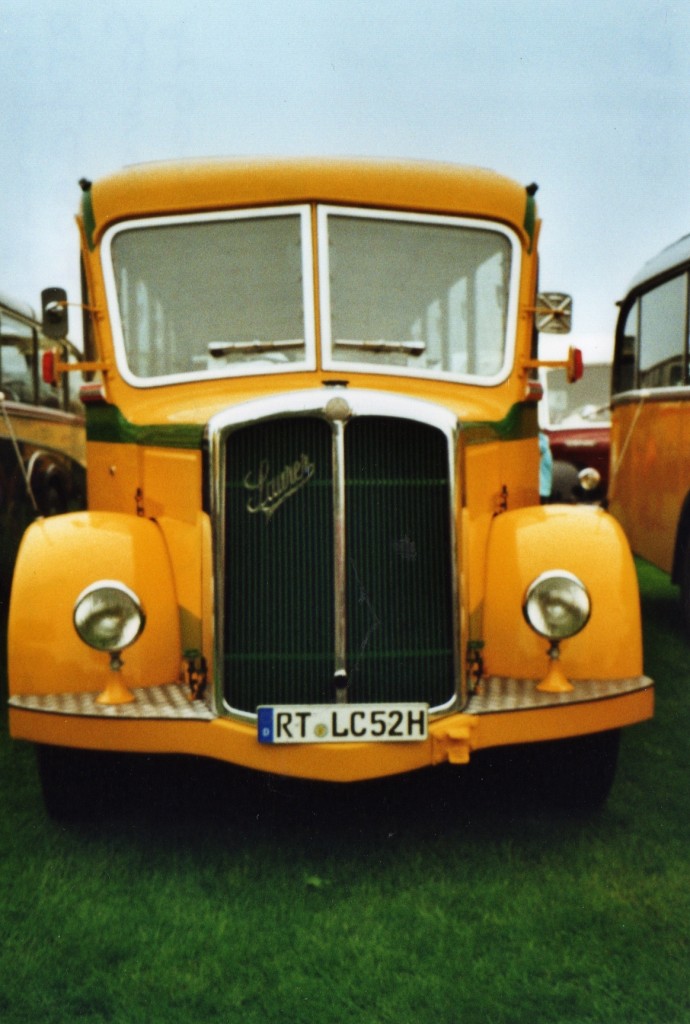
(186, 186)
(674, 255)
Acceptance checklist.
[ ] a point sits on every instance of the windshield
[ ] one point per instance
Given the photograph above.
(215, 295)
(425, 295)
(212, 296)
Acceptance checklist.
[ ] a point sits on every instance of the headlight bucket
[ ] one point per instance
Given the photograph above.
(108, 616)
(557, 605)
(589, 478)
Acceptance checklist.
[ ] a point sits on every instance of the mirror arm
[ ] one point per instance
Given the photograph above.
(63, 304)
(573, 364)
(52, 367)
(85, 367)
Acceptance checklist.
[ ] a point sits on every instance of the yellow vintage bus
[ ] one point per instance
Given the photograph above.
(314, 544)
(42, 437)
(650, 442)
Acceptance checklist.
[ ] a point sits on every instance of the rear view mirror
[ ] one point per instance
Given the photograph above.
(554, 313)
(55, 319)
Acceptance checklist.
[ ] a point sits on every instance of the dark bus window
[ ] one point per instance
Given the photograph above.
(625, 365)
(17, 360)
(652, 341)
(663, 334)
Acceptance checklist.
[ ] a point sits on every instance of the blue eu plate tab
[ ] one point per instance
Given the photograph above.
(265, 725)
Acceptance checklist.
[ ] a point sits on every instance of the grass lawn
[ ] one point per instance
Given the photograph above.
(219, 896)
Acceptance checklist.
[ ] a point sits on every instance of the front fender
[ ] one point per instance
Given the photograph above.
(57, 559)
(587, 542)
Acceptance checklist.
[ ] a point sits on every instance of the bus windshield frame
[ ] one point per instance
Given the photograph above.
(430, 274)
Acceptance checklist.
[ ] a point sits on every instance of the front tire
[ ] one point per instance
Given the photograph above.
(576, 774)
(76, 784)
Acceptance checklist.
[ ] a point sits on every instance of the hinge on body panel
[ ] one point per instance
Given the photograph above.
(501, 501)
(474, 664)
(196, 673)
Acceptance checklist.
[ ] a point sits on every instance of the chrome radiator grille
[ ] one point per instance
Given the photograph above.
(335, 560)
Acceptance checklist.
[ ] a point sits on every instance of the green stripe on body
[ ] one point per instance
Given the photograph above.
(106, 423)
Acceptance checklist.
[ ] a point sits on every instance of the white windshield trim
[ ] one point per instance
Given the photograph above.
(330, 363)
(247, 369)
(309, 363)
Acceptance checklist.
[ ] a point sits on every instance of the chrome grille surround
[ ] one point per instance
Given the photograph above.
(335, 406)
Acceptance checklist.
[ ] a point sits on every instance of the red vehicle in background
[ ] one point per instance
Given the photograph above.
(576, 419)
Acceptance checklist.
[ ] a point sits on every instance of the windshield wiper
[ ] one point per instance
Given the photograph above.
(226, 348)
(408, 348)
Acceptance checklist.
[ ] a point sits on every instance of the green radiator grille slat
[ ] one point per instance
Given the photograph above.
(398, 544)
(279, 632)
(279, 592)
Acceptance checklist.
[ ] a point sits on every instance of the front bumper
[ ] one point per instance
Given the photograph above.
(162, 719)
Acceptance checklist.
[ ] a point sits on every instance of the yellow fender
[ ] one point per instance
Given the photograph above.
(587, 542)
(57, 559)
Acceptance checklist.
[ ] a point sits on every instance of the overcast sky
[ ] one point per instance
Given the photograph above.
(589, 99)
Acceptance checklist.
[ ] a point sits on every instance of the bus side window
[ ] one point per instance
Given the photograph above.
(625, 366)
(663, 334)
(17, 360)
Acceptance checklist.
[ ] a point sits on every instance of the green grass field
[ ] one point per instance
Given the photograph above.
(218, 896)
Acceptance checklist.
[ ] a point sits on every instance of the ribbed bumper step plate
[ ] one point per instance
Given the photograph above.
(495, 694)
(169, 701)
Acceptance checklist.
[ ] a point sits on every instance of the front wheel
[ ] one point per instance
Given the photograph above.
(76, 784)
(576, 774)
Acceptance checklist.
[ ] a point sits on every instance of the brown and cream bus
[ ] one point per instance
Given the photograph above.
(650, 440)
(42, 437)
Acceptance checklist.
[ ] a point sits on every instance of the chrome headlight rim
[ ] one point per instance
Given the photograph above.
(108, 616)
(550, 588)
(589, 478)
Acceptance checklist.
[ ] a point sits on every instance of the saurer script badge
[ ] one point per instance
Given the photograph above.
(268, 492)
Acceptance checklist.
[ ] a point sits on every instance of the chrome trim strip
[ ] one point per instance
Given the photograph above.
(319, 402)
(42, 413)
(339, 561)
(336, 405)
(647, 395)
(454, 446)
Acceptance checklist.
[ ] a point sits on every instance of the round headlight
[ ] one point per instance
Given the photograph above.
(108, 616)
(589, 478)
(557, 605)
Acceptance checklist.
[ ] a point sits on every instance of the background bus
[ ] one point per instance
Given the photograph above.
(650, 444)
(576, 420)
(42, 443)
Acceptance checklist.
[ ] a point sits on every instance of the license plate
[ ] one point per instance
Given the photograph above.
(342, 723)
